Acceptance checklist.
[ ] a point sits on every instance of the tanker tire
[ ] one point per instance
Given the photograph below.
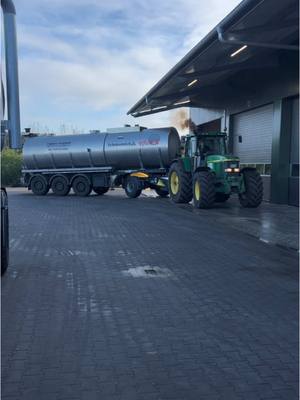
(162, 192)
(4, 232)
(204, 189)
(60, 186)
(254, 189)
(132, 187)
(100, 190)
(180, 184)
(39, 185)
(81, 186)
(221, 197)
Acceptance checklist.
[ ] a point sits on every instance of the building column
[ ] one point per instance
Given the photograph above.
(281, 151)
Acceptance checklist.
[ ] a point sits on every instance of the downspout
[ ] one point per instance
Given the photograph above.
(12, 78)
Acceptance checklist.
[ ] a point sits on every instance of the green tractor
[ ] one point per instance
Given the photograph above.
(206, 173)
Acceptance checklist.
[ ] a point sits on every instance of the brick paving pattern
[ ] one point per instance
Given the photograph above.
(115, 298)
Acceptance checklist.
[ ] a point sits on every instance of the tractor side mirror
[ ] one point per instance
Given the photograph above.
(240, 139)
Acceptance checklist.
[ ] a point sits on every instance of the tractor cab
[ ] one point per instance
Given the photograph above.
(204, 144)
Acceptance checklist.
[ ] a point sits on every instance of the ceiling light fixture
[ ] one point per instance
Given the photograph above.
(193, 82)
(145, 111)
(159, 108)
(181, 102)
(238, 50)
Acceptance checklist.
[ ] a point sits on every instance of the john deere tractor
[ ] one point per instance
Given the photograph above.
(206, 173)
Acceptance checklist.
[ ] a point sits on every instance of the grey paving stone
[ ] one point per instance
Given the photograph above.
(221, 323)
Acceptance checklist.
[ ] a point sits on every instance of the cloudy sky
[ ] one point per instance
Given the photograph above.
(84, 63)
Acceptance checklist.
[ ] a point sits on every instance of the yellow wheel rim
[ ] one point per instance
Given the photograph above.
(174, 182)
(197, 191)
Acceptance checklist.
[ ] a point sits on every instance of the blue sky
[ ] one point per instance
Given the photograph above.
(84, 63)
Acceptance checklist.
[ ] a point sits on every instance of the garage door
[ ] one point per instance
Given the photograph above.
(252, 141)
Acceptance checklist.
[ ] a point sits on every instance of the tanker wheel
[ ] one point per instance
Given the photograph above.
(162, 192)
(221, 197)
(81, 186)
(100, 190)
(132, 187)
(253, 195)
(180, 184)
(39, 185)
(204, 189)
(60, 185)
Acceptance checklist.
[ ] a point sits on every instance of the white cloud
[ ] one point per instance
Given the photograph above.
(84, 67)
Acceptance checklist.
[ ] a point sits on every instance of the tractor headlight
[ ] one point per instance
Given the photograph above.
(232, 170)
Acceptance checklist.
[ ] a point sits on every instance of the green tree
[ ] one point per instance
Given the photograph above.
(11, 165)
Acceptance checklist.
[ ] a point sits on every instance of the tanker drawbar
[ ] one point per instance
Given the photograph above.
(132, 158)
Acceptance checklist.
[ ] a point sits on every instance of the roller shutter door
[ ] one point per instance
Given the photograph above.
(252, 140)
(256, 129)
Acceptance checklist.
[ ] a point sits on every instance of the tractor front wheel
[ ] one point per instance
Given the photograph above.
(180, 184)
(204, 189)
(253, 195)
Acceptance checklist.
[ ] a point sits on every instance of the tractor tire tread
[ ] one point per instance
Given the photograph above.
(207, 184)
(186, 189)
(254, 190)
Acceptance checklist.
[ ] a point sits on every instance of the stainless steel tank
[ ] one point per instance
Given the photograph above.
(150, 148)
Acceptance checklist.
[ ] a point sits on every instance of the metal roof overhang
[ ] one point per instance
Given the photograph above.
(270, 31)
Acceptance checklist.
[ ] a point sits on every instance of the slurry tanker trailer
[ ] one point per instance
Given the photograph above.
(134, 158)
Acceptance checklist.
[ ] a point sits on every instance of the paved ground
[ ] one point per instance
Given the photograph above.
(112, 298)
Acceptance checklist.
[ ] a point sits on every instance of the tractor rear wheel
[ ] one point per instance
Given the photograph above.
(81, 186)
(221, 197)
(204, 189)
(60, 185)
(161, 192)
(39, 185)
(180, 184)
(100, 190)
(253, 195)
(133, 187)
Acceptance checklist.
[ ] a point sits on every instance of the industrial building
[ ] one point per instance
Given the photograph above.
(243, 77)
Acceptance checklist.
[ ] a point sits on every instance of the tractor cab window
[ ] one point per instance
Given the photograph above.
(212, 145)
